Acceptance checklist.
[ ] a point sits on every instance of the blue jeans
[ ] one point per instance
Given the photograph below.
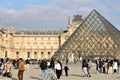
(44, 74)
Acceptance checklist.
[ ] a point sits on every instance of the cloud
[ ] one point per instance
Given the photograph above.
(39, 17)
(69, 4)
(54, 15)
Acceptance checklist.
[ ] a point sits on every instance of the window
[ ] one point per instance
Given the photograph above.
(41, 43)
(28, 43)
(49, 55)
(48, 43)
(35, 55)
(17, 43)
(35, 38)
(6, 35)
(35, 43)
(17, 55)
(55, 43)
(48, 38)
(28, 54)
(6, 54)
(42, 55)
(42, 38)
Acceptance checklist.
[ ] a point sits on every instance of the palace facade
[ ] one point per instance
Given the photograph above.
(34, 44)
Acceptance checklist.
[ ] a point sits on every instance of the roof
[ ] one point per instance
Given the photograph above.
(77, 19)
(49, 32)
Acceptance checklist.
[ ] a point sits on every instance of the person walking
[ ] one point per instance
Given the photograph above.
(27, 63)
(89, 67)
(106, 66)
(66, 69)
(43, 66)
(115, 66)
(85, 68)
(21, 69)
(52, 67)
(110, 67)
(58, 69)
(8, 69)
(97, 66)
(101, 63)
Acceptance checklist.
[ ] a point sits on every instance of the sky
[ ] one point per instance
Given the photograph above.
(53, 14)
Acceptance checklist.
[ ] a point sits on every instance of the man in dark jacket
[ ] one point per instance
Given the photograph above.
(43, 66)
(52, 66)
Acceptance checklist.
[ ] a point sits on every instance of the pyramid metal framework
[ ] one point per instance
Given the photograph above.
(94, 37)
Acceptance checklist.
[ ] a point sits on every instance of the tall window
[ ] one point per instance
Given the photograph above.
(35, 55)
(42, 55)
(28, 54)
(17, 55)
(6, 54)
(49, 55)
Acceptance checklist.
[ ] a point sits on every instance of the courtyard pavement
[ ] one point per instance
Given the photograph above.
(33, 72)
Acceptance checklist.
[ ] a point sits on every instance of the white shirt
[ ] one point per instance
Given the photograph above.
(57, 66)
(115, 66)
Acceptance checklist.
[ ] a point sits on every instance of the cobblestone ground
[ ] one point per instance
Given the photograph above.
(75, 73)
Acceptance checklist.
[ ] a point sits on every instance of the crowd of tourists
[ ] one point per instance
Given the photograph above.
(103, 66)
(6, 65)
(56, 67)
(107, 66)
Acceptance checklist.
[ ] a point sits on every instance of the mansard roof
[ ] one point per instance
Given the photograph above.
(48, 32)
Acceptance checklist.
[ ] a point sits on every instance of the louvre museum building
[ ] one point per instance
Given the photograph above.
(93, 36)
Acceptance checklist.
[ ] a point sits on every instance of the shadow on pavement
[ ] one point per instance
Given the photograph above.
(36, 68)
(35, 78)
(118, 77)
(76, 75)
(13, 78)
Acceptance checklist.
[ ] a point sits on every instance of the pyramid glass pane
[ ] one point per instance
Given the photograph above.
(94, 37)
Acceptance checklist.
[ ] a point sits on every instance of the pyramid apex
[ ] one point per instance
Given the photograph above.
(94, 9)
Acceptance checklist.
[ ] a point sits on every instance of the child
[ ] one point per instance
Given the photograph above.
(66, 70)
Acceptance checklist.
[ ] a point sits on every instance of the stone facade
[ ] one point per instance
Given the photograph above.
(34, 44)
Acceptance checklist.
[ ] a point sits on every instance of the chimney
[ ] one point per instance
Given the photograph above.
(69, 20)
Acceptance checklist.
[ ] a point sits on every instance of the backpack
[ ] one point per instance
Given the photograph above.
(43, 65)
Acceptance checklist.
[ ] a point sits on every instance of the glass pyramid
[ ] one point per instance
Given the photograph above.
(95, 37)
